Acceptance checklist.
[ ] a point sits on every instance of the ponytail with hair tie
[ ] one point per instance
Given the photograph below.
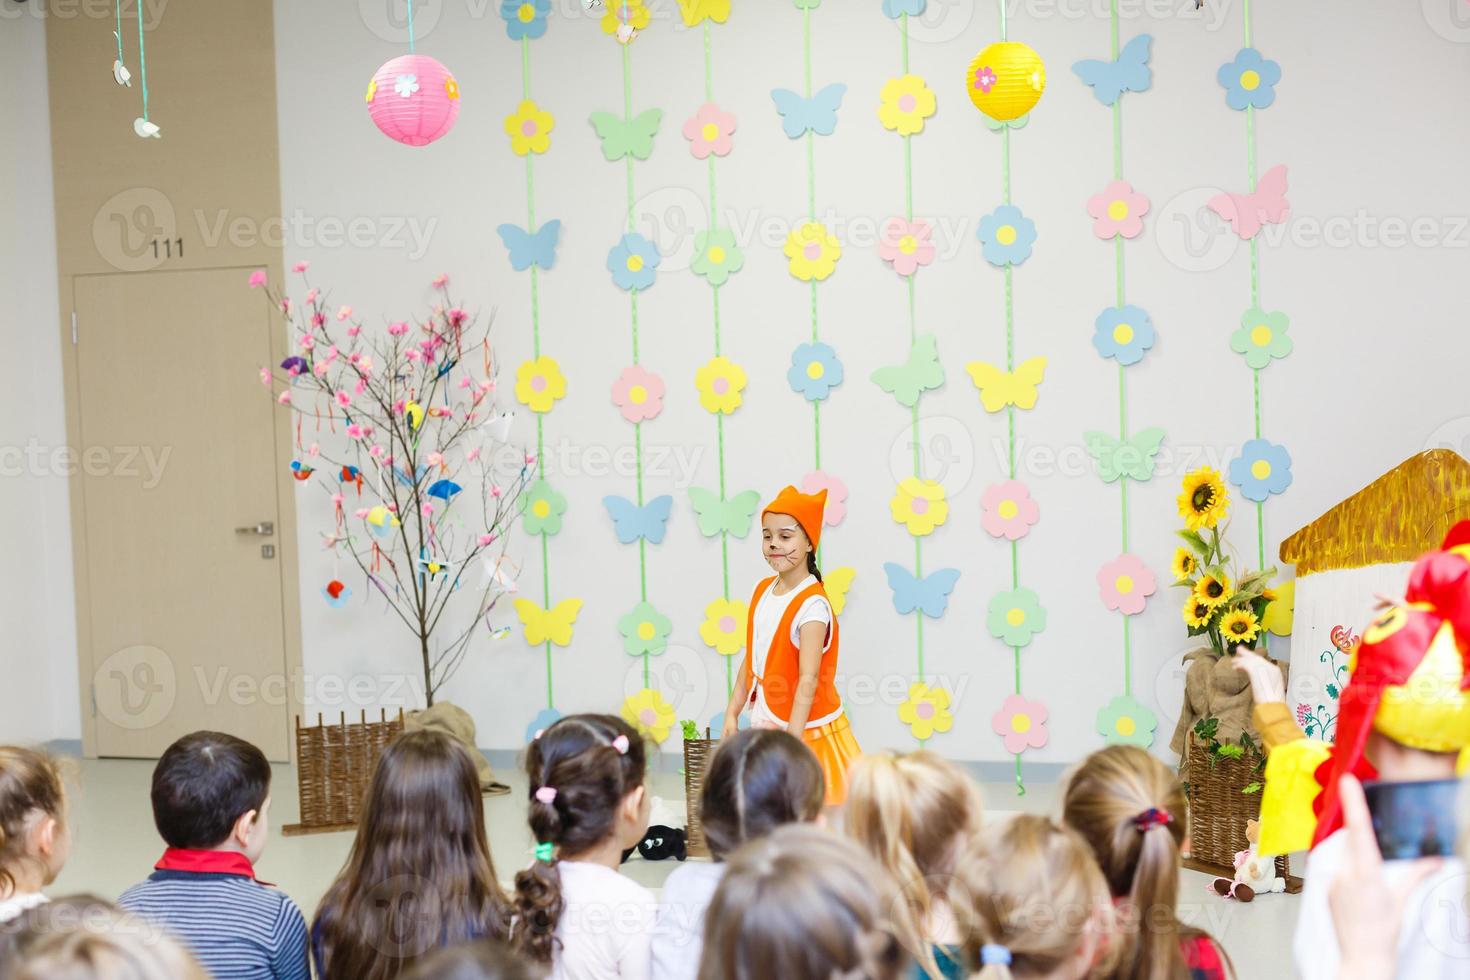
(1152, 817)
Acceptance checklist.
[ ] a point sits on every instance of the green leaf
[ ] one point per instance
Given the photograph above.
(1195, 542)
(1230, 751)
(691, 730)
(1251, 789)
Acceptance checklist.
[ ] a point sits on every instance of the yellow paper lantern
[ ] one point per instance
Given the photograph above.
(1005, 80)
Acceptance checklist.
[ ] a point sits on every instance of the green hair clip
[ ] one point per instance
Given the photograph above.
(544, 852)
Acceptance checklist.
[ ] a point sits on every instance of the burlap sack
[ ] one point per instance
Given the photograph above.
(456, 722)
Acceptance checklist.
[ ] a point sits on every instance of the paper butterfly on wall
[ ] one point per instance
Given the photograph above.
(920, 373)
(929, 595)
(531, 248)
(1001, 388)
(621, 137)
(1265, 205)
(554, 625)
(836, 583)
(1130, 73)
(632, 522)
(717, 516)
(1117, 458)
(818, 114)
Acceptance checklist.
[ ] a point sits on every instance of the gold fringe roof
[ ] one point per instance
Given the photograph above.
(1396, 518)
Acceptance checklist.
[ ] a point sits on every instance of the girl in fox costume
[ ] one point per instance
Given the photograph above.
(792, 641)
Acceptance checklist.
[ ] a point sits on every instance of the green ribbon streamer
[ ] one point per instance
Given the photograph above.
(811, 197)
(142, 59)
(117, 10)
(1121, 301)
(410, 26)
(1250, 147)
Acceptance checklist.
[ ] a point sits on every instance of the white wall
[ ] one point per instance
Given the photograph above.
(38, 699)
(1369, 120)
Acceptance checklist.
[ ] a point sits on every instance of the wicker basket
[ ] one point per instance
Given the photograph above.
(1218, 810)
(697, 752)
(333, 766)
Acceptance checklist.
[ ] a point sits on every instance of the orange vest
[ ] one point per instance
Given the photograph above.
(783, 660)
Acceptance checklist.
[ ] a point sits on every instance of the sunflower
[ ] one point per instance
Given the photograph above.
(1240, 626)
(1185, 565)
(1213, 591)
(1197, 614)
(1203, 503)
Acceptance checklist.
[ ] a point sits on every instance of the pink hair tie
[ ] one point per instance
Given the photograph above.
(621, 744)
(1151, 818)
(546, 794)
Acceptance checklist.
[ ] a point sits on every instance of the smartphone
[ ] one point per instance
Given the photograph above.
(1414, 820)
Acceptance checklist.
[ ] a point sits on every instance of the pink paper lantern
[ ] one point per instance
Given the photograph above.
(413, 99)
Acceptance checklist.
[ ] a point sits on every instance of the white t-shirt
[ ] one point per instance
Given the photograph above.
(606, 927)
(769, 610)
(678, 940)
(1434, 938)
(17, 905)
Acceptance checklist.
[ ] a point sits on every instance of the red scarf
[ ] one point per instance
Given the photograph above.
(208, 862)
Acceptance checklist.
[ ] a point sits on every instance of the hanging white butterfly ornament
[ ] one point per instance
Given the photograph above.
(146, 129)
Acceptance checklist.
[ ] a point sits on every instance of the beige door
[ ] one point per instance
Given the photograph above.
(182, 624)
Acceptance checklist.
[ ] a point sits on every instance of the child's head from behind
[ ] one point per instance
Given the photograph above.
(1031, 902)
(1131, 810)
(802, 904)
(419, 873)
(85, 938)
(34, 840)
(758, 780)
(914, 813)
(585, 778)
(211, 791)
(483, 959)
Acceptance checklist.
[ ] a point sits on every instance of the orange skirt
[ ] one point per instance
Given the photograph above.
(836, 749)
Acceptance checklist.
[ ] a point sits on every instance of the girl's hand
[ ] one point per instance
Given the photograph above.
(731, 726)
(1267, 684)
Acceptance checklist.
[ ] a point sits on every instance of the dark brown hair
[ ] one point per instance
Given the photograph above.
(1103, 802)
(419, 875)
(802, 904)
(592, 762)
(484, 959)
(30, 784)
(758, 780)
(203, 784)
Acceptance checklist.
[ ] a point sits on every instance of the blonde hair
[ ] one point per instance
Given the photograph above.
(914, 814)
(802, 904)
(1032, 887)
(85, 938)
(30, 788)
(1131, 810)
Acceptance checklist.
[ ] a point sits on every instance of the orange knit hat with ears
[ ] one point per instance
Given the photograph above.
(805, 507)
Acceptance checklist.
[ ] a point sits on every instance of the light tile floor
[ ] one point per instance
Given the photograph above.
(115, 845)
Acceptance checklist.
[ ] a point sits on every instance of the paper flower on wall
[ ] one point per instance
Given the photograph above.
(1118, 210)
(1282, 609)
(815, 371)
(895, 9)
(1021, 723)
(723, 629)
(552, 625)
(1124, 333)
(1006, 236)
(807, 4)
(1263, 468)
(695, 12)
(639, 394)
(1262, 337)
(645, 631)
(1125, 721)
(632, 262)
(1007, 510)
(906, 245)
(1015, 617)
(926, 711)
(1125, 584)
(525, 18)
(1249, 80)
(812, 251)
(648, 712)
(720, 382)
(905, 102)
(709, 131)
(540, 384)
(837, 582)
(716, 256)
(542, 508)
(544, 719)
(624, 13)
(836, 508)
(919, 505)
(529, 129)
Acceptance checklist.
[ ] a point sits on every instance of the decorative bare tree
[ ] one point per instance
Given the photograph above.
(411, 423)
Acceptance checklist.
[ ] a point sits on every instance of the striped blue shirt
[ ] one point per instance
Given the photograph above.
(236, 928)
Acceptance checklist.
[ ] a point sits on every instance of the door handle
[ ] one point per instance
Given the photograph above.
(265, 529)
